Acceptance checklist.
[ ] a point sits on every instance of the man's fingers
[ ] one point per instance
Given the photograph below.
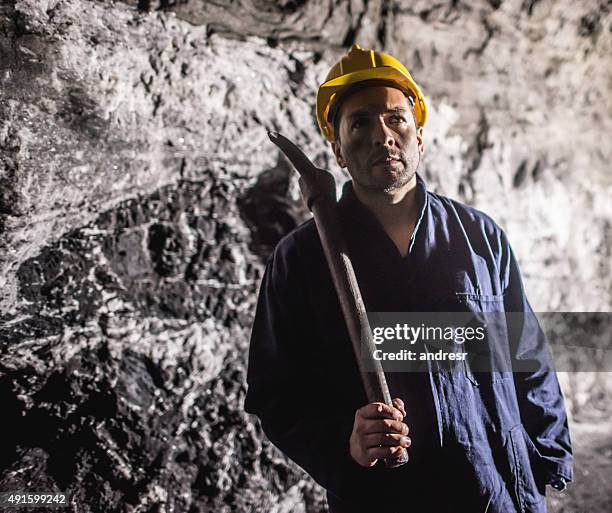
(297, 157)
(379, 410)
(386, 439)
(379, 433)
(375, 453)
(369, 427)
(399, 404)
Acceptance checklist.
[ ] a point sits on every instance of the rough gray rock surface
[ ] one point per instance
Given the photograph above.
(140, 196)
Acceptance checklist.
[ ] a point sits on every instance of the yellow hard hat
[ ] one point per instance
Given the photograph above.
(360, 65)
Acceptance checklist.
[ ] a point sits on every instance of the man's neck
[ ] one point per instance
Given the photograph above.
(392, 209)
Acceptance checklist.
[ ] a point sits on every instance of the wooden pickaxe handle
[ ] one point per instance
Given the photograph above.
(319, 190)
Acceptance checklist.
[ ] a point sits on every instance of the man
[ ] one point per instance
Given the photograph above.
(478, 442)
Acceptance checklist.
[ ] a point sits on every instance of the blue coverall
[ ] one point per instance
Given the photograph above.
(480, 441)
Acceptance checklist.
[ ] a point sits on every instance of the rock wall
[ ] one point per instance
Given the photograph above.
(140, 196)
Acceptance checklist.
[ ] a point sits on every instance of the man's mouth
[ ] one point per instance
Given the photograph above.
(387, 160)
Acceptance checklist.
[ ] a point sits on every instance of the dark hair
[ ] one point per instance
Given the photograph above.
(334, 113)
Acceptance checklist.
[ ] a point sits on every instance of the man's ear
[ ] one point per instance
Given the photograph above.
(338, 153)
(420, 142)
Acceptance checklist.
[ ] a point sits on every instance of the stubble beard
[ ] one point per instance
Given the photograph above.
(392, 181)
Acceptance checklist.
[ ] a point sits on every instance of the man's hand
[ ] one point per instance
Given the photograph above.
(378, 432)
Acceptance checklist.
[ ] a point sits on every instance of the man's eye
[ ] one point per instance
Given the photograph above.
(398, 119)
(357, 123)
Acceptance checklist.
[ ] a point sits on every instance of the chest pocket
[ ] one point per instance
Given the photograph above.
(488, 360)
(476, 302)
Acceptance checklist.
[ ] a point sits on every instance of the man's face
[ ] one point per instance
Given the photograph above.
(380, 146)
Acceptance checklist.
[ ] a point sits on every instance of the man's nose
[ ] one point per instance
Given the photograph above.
(383, 135)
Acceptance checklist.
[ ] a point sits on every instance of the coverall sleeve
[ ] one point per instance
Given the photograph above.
(540, 398)
(297, 413)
